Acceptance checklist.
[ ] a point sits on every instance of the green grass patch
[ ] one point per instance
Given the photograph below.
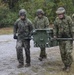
(7, 30)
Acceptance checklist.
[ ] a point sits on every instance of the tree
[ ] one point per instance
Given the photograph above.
(11, 3)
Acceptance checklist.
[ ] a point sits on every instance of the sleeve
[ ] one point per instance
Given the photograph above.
(35, 23)
(15, 28)
(30, 27)
(55, 29)
(46, 22)
(70, 26)
(73, 27)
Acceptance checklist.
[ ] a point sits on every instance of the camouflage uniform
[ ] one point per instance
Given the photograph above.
(73, 24)
(41, 23)
(63, 29)
(23, 29)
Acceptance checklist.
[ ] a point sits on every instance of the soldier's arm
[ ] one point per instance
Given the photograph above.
(35, 23)
(15, 27)
(30, 27)
(47, 22)
(55, 29)
(70, 25)
(73, 26)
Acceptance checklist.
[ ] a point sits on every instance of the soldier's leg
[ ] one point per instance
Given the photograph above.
(19, 51)
(43, 53)
(66, 50)
(62, 50)
(68, 56)
(27, 52)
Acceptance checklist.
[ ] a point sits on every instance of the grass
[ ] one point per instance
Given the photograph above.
(7, 30)
(49, 67)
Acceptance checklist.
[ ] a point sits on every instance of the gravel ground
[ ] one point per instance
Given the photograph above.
(8, 60)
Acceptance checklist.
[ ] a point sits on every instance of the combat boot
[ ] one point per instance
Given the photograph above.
(27, 65)
(64, 68)
(67, 69)
(44, 56)
(40, 58)
(20, 65)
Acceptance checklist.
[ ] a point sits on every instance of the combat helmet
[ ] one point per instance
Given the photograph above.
(60, 10)
(22, 12)
(40, 11)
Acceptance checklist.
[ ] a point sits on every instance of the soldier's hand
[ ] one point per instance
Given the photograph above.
(15, 37)
(54, 37)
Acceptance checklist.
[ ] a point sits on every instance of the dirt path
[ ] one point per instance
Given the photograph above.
(8, 62)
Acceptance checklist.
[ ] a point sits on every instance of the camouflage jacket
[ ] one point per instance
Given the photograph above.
(41, 23)
(63, 27)
(73, 25)
(23, 29)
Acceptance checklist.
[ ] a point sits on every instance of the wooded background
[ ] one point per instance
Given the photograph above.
(9, 9)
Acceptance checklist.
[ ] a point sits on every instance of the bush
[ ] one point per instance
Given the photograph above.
(7, 17)
(32, 7)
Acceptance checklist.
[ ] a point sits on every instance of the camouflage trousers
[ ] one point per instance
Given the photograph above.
(43, 53)
(19, 49)
(66, 51)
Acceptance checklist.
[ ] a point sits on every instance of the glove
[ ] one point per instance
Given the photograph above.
(15, 37)
(54, 37)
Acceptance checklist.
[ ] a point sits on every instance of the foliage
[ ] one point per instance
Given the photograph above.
(9, 9)
(7, 17)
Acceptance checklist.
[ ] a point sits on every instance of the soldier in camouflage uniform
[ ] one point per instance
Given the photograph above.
(63, 29)
(22, 32)
(41, 22)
